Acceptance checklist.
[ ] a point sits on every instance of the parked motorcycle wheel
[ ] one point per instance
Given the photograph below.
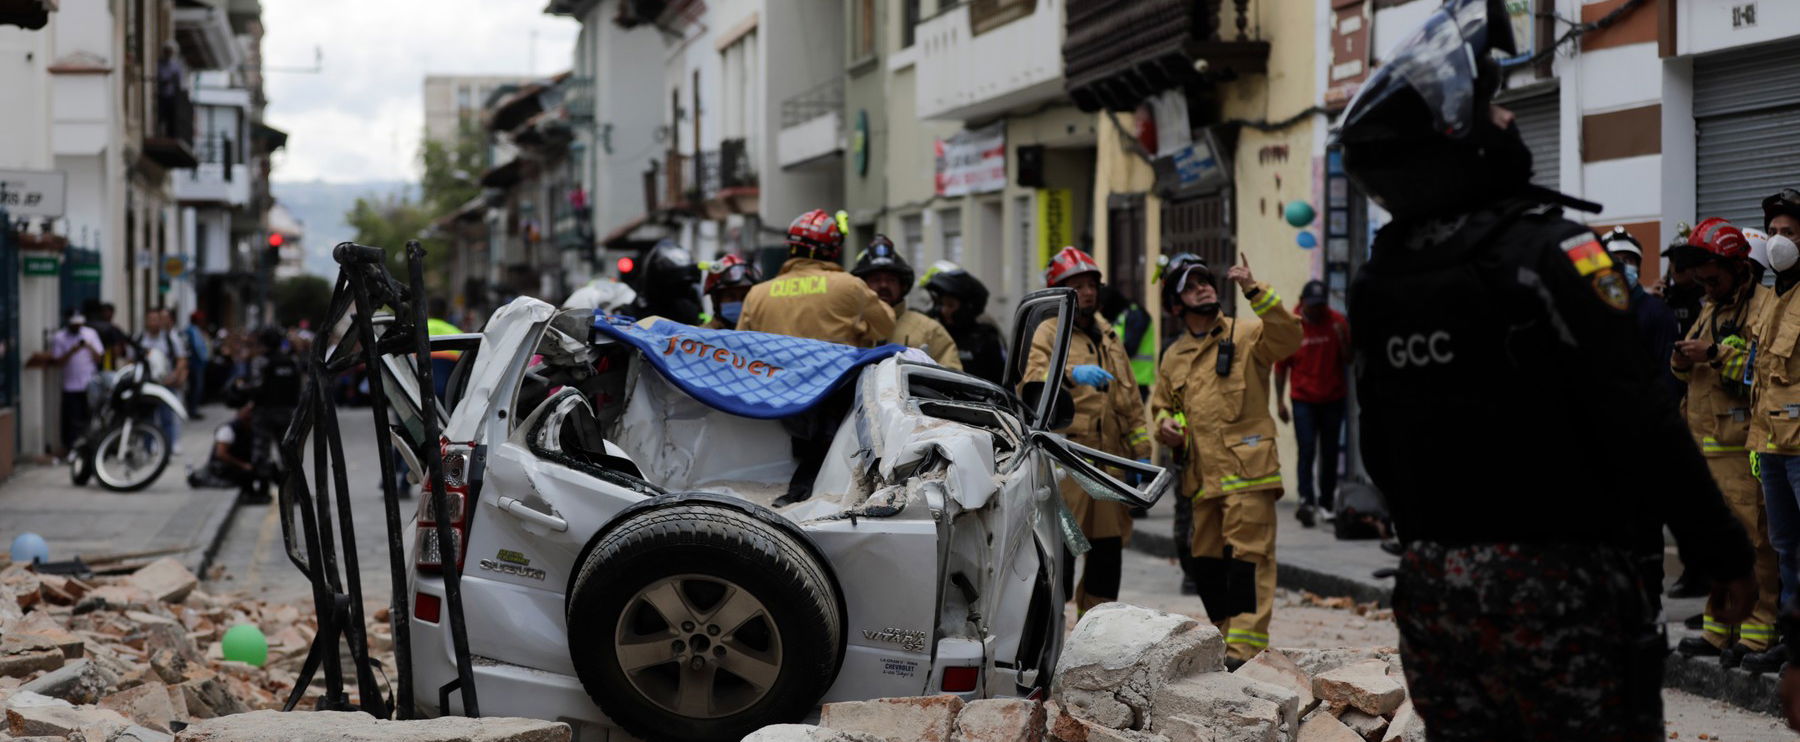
(142, 459)
(703, 622)
(81, 468)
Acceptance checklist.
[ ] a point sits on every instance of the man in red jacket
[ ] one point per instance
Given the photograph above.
(1319, 370)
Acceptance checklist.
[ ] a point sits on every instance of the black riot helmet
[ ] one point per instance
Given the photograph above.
(668, 284)
(879, 256)
(949, 279)
(1419, 137)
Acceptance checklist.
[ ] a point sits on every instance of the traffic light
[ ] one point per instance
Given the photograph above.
(626, 265)
(275, 239)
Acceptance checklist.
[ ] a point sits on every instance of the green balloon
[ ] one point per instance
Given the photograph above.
(245, 643)
(1299, 213)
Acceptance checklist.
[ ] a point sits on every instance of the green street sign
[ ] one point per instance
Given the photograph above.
(89, 273)
(41, 265)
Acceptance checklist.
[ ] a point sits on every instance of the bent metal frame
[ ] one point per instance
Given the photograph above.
(329, 559)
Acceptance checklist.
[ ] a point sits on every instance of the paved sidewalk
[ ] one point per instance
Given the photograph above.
(93, 521)
(1312, 559)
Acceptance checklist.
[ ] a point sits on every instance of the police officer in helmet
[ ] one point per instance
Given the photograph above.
(891, 278)
(273, 385)
(1501, 380)
(958, 300)
(668, 285)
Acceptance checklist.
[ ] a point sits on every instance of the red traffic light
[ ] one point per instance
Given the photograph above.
(626, 266)
(275, 239)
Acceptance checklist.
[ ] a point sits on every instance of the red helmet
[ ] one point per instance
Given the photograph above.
(1718, 237)
(1068, 263)
(730, 271)
(815, 234)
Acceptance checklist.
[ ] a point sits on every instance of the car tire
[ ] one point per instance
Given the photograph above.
(699, 621)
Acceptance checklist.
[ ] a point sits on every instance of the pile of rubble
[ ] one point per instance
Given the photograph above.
(1131, 674)
(138, 656)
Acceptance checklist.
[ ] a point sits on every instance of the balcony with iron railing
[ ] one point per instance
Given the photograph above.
(728, 184)
(1119, 52)
(812, 127)
(220, 176)
(983, 58)
(169, 137)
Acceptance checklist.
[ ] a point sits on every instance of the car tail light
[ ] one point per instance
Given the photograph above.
(425, 607)
(960, 679)
(429, 557)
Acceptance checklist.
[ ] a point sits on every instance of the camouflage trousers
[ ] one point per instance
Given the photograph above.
(1529, 642)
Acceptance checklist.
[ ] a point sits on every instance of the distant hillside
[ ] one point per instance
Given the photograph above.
(321, 207)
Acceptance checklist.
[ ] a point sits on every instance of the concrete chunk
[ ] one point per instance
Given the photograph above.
(805, 733)
(1327, 728)
(80, 681)
(344, 726)
(1275, 667)
(207, 698)
(1364, 685)
(1229, 707)
(1406, 725)
(1119, 655)
(64, 721)
(1000, 720)
(147, 704)
(1366, 726)
(925, 719)
(165, 580)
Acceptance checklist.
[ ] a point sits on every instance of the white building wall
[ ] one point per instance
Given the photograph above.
(25, 125)
(627, 111)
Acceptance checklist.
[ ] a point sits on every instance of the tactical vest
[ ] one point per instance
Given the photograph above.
(279, 386)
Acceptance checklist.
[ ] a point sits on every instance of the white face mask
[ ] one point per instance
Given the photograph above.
(1783, 253)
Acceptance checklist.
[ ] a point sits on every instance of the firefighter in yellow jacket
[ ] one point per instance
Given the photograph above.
(812, 296)
(890, 277)
(1212, 401)
(1713, 361)
(1109, 416)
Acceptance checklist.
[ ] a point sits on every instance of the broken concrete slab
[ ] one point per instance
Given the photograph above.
(208, 698)
(1365, 685)
(344, 726)
(1000, 720)
(805, 733)
(1367, 726)
(147, 704)
(926, 719)
(1229, 707)
(1315, 661)
(165, 580)
(1275, 667)
(1327, 728)
(81, 681)
(23, 659)
(40, 628)
(1119, 655)
(1406, 726)
(64, 721)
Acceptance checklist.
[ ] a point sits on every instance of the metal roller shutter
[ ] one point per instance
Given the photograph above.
(1747, 114)
(1539, 118)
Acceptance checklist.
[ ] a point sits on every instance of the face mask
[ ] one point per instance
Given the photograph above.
(730, 311)
(1783, 254)
(1631, 274)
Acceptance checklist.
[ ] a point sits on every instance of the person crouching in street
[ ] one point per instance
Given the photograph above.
(1109, 417)
(235, 460)
(1713, 360)
(1212, 402)
(888, 275)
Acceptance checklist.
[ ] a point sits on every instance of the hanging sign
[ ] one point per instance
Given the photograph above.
(972, 161)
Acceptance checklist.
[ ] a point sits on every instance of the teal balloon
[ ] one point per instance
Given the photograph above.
(1299, 213)
(1307, 241)
(245, 643)
(30, 547)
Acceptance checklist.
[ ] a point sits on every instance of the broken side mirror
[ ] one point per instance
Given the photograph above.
(1089, 467)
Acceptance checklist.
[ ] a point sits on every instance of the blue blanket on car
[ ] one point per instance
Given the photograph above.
(752, 374)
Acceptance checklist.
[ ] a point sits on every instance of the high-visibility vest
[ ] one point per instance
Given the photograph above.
(1143, 357)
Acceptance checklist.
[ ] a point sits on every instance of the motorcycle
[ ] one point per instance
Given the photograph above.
(123, 447)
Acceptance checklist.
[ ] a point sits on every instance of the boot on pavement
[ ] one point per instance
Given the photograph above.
(1305, 515)
(1695, 646)
(1733, 655)
(1768, 661)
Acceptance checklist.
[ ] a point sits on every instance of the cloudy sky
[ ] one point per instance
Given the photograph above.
(360, 116)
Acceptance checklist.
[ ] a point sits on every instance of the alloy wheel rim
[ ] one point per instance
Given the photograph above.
(698, 646)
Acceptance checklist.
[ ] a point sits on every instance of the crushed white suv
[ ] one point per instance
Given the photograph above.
(613, 491)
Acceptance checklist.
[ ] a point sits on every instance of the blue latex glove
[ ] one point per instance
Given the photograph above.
(1091, 375)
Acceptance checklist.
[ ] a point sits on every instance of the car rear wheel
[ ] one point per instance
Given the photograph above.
(695, 621)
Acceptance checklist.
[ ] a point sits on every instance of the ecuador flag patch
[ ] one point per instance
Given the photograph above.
(1586, 252)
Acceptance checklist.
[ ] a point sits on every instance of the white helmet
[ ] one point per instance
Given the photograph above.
(1759, 245)
(1619, 240)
